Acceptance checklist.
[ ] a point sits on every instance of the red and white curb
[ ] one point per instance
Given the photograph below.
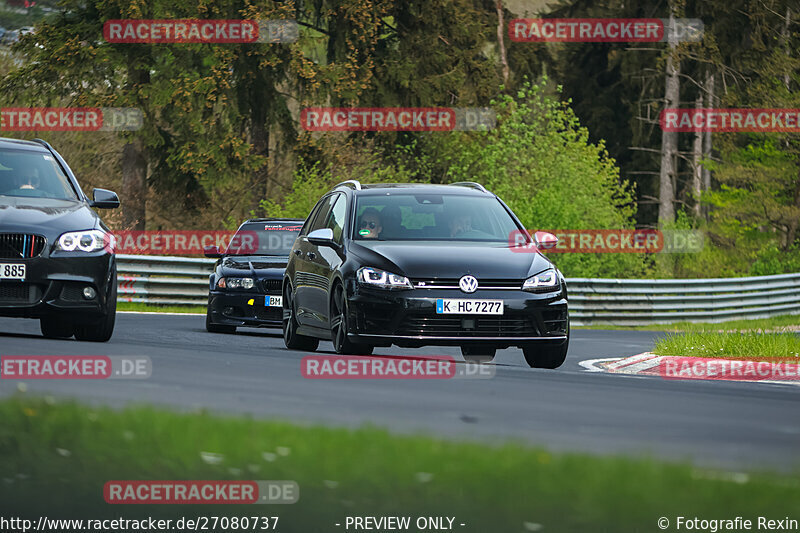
(650, 364)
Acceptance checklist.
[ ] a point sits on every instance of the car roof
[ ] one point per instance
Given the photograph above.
(432, 188)
(18, 144)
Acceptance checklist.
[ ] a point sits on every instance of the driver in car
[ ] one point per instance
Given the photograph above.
(28, 180)
(370, 227)
(460, 225)
(16, 182)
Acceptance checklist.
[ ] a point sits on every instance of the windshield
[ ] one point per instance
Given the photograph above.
(264, 238)
(431, 217)
(33, 174)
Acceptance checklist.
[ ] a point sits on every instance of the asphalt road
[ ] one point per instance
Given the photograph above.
(734, 426)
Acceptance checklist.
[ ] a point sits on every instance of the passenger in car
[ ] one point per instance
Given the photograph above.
(369, 226)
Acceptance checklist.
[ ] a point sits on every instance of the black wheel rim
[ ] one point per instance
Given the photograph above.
(338, 322)
(288, 315)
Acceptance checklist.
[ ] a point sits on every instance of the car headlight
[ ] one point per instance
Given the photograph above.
(235, 283)
(543, 280)
(381, 279)
(85, 241)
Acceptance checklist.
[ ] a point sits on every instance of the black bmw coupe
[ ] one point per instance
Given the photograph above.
(245, 288)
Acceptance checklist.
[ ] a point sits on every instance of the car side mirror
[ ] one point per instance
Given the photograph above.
(545, 240)
(212, 252)
(322, 237)
(104, 199)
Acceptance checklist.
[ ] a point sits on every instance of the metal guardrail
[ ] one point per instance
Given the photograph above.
(163, 280)
(624, 302)
(662, 301)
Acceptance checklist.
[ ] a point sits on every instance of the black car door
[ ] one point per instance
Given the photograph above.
(328, 259)
(311, 287)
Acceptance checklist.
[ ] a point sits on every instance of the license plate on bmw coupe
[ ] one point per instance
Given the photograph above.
(273, 301)
(12, 271)
(459, 306)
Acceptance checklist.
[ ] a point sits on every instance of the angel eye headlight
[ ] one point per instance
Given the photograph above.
(84, 241)
(68, 242)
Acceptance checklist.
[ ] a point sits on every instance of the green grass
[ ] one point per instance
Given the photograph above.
(57, 456)
(142, 307)
(766, 324)
(745, 345)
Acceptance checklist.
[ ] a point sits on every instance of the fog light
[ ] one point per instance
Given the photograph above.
(89, 293)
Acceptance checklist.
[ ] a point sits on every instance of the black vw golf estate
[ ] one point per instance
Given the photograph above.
(416, 265)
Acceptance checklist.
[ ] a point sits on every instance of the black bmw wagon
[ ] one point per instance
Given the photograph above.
(57, 260)
(416, 265)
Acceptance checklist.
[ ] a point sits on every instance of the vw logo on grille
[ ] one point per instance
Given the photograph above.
(468, 284)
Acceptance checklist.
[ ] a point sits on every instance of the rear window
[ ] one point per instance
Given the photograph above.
(33, 174)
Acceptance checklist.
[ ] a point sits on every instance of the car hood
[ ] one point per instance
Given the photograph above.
(450, 260)
(240, 265)
(47, 216)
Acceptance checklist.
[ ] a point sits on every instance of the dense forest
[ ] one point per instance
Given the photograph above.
(577, 143)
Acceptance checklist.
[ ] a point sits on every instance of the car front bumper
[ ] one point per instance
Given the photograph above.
(54, 286)
(409, 318)
(235, 309)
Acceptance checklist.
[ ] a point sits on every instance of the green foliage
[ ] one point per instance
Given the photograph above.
(540, 162)
(751, 212)
(14, 18)
(58, 455)
(757, 184)
(221, 136)
(308, 186)
(312, 181)
(772, 260)
(192, 134)
(754, 208)
(617, 91)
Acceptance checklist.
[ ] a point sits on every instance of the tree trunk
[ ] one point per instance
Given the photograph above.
(134, 160)
(260, 141)
(785, 40)
(709, 88)
(134, 186)
(501, 43)
(791, 233)
(697, 155)
(282, 163)
(669, 140)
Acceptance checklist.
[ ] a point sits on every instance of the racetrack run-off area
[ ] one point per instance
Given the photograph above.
(728, 425)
